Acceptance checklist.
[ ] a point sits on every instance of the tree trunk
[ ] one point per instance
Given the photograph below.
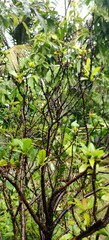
(14, 230)
(49, 233)
(47, 236)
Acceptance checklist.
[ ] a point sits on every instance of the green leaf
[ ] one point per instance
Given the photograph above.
(41, 20)
(88, 63)
(91, 147)
(68, 150)
(54, 36)
(75, 126)
(78, 66)
(17, 142)
(55, 69)
(84, 148)
(48, 76)
(105, 197)
(91, 161)
(41, 156)
(67, 236)
(14, 103)
(9, 185)
(15, 19)
(3, 163)
(90, 202)
(92, 151)
(87, 2)
(98, 153)
(87, 218)
(27, 142)
(27, 29)
(95, 71)
(79, 203)
(103, 232)
(83, 167)
(12, 72)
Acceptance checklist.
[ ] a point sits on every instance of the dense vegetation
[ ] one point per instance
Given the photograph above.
(54, 121)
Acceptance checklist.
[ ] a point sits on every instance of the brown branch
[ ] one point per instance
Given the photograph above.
(97, 190)
(63, 188)
(94, 192)
(40, 215)
(69, 111)
(46, 94)
(101, 223)
(57, 200)
(60, 216)
(75, 219)
(22, 196)
(90, 28)
(9, 205)
(43, 191)
(83, 99)
(105, 156)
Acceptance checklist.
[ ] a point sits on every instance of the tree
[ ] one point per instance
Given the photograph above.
(54, 125)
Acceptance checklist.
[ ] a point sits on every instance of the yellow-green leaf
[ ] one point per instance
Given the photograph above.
(66, 236)
(105, 197)
(88, 64)
(54, 36)
(91, 161)
(41, 156)
(27, 142)
(95, 71)
(83, 167)
(84, 202)
(87, 219)
(17, 142)
(15, 19)
(3, 163)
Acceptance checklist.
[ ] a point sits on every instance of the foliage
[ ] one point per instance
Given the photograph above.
(54, 123)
